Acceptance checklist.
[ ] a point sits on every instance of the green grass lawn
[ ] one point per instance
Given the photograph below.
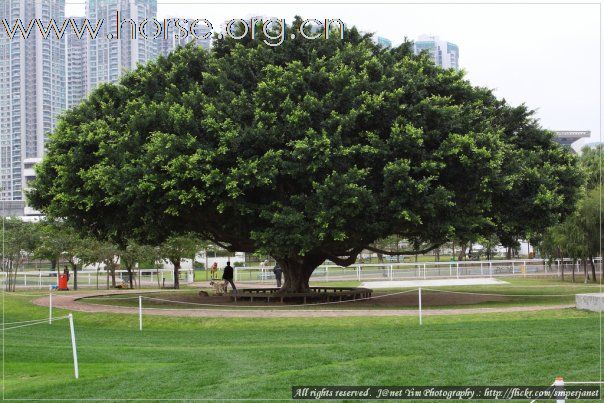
(263, 358)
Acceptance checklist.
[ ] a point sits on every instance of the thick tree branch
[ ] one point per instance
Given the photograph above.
(403, 252)
(345, 261)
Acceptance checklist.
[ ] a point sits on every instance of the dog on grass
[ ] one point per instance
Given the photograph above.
(220, 287)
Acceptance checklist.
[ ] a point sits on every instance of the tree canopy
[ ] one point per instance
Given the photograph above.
(307, 151)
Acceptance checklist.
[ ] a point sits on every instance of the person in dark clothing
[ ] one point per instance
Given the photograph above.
(227, 276)
(278, 273)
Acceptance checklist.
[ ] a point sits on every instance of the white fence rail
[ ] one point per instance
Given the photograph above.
(425, 270)
(99, 278)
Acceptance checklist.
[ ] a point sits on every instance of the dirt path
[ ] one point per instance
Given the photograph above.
(70, 302)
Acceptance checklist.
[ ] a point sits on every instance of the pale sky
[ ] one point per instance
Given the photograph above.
(545, 55)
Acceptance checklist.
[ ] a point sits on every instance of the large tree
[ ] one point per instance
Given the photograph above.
(307, 151)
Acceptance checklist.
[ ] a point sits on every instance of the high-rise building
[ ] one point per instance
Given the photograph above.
(175, 37)
(383, 42)
(75, 65)
(109, 55)
(445, 54)
(32, 94)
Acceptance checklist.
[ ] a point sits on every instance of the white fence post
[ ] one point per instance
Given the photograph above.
(40, 279)
(420, 305)
(358, 273)
(424, 271)
(559, 385)
(391, 274)
(140, 313)
(457, 268)
(73, 347)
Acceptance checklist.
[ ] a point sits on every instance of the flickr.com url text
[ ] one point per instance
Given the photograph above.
(273, 30)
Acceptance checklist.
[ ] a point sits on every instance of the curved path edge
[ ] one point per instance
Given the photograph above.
(71, 302)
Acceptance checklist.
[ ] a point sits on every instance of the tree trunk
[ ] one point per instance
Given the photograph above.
(176, 264)
(112, 270)
(593, 269)
(462, 253)
(559, 254)
(74, 268)
(574, 264)
(15, 271)
(586, 273)
(296, 275)
(130, 276)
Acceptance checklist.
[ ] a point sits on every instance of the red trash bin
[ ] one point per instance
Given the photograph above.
(63, 282)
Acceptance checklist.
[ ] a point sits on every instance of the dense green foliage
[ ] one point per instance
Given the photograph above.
(579, 236)
(591, 164)
(308, 151)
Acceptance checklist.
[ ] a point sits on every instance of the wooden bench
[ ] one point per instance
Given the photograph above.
(327, 294)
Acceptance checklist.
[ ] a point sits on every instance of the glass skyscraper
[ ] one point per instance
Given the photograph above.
(444, 54)
(173, 38)
(108, 57)
(32, 94)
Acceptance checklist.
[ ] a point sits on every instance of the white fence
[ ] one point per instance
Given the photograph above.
(100, 278)
(357, 272)
(427, 270)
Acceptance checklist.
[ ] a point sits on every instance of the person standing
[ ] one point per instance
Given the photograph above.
(278, 273)
(227, 276)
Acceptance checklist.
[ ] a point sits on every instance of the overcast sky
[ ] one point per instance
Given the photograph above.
(545, 55)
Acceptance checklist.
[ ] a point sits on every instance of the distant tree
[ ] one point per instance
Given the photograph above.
(133, 254)
(489, 243)
(59, 240)
(590, 162)
(20, 241)
(540, 182)
(176, 248)
(107, 253)
(50, 246)
(588, 219)
(308, 151)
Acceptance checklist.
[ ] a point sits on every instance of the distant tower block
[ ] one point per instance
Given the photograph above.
(568, 137)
